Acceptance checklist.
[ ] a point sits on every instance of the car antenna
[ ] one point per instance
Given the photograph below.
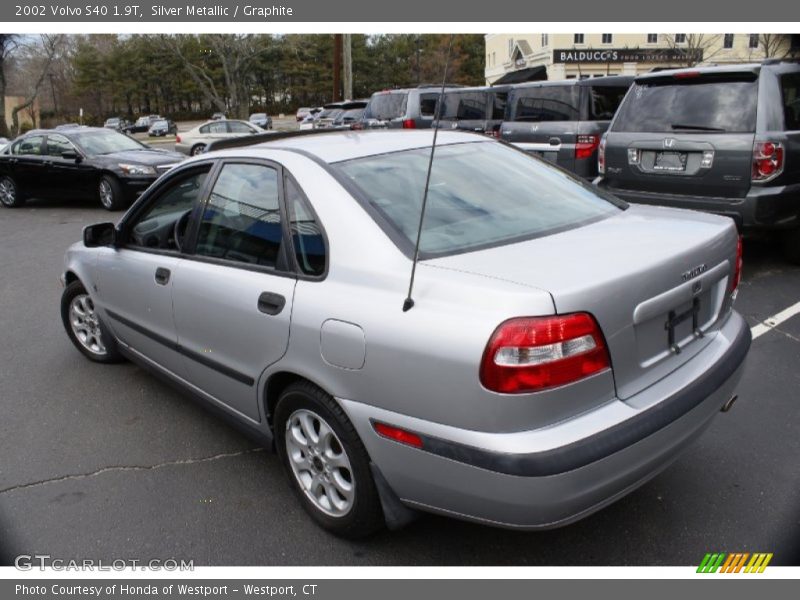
(408, 303)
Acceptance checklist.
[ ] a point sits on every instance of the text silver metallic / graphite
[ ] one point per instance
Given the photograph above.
(219, 10)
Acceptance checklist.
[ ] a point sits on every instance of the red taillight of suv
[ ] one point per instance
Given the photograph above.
(531, 354)
(586, 145)
(767, 160)
(409, 124)
(737, 268)
(601, 157)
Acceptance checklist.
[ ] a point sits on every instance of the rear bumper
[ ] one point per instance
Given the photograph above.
(764, 207)
(554, 475)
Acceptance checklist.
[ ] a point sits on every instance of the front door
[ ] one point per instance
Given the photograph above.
(233, 301)
(135, 280)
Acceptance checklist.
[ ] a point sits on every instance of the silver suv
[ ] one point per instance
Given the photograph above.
(561, 349)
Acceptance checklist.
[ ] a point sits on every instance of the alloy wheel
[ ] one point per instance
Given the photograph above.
(85, 324)
(320, 463)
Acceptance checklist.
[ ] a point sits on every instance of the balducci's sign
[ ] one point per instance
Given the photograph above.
(608, 55)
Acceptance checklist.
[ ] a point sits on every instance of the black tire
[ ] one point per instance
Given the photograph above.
(791, 245)
(197, 149)
(111, 194)
(111, 354)
(10, 194)
(365, 515)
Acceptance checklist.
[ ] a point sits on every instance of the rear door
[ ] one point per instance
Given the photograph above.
(233, 300)
(687, 135)
(544, 121)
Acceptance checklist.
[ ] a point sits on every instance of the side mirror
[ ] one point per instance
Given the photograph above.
(72, 155)
(100, 234)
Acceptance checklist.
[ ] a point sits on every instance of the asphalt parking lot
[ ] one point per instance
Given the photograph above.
(109, 462)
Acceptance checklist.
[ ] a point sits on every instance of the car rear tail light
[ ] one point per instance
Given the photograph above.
(531, 354)
(586, 145)
(767, 160)
(601, 157)
(687, 75)
(177, 139)
(357, 126)
(409, 124)
(398, 435)
(737, 268)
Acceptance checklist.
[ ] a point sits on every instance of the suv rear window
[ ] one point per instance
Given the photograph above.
(699, 104)
(386, 106)
(790, 86)
(547, 103)
(464, 105)
(604, 101)
(481, 194)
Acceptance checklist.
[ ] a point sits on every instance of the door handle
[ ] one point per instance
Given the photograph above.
(162, 276)
(271, 304)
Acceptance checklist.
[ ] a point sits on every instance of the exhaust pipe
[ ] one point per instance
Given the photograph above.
(729, 404)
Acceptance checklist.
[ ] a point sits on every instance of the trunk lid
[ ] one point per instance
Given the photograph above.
(651, 277)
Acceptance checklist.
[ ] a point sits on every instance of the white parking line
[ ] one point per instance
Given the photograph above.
(775, 320)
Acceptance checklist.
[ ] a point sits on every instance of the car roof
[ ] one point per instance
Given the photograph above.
(331, 147)
(608, 80)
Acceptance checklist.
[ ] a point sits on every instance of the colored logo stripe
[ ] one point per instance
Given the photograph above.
(735, 562)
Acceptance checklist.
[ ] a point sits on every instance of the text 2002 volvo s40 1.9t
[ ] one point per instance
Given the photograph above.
(562, 349)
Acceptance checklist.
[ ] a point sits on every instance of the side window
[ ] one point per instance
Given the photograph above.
(242, 219)
(237, 127)
(790, 85)
(168, 215)
(308, 242)
(205, 129)
(56, 144)
(31, 145)
(499, 108)
(427, 104)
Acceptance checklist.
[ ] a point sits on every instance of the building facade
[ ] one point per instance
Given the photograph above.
(581, 55)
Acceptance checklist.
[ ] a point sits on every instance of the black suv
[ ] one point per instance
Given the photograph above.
(562, 121)
(719, 139)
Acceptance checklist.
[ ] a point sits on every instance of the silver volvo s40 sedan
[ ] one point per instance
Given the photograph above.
(563, 347)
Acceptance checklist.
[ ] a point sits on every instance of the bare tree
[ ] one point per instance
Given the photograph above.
(695, 47)
(235, 54)
(35, 63)
(8, 43)
(774, 45)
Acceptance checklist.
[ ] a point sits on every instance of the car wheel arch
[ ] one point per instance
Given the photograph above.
(275, 385)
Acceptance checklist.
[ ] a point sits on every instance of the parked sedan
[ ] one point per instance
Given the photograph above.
(560, 347)
(142, 124)
(116, 123)
(162, 127)
(262, 120)
(89, 162)
(195, 140)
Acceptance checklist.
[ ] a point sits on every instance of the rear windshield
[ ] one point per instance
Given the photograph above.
(480, 194)
(546, 103)
(604, 101)
(386, 106)
(790, 86)
(690, 105)
(464, 105)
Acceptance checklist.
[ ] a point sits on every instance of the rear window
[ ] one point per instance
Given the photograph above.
(604, 101)
(427, 104)
(547, 103)
(690, 105)
(481, 194)
(790, 86)
(386, 106)
(464, 105)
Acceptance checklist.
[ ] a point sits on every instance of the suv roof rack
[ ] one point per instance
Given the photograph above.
(258, 138)
(438, 85)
